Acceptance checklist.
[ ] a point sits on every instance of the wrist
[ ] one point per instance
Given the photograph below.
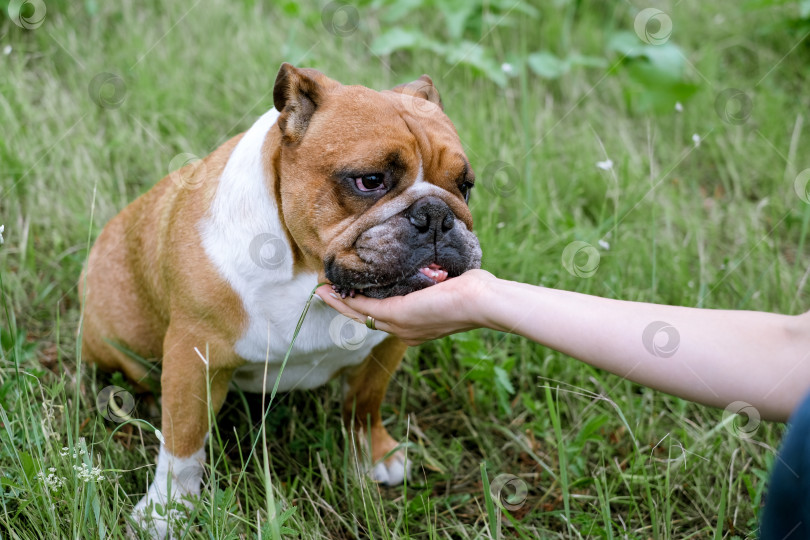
(487, 309)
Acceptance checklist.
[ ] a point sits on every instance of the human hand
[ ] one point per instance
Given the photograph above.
(437, 311)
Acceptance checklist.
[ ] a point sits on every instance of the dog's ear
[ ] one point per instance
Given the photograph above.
(421, 88)
(296, 95)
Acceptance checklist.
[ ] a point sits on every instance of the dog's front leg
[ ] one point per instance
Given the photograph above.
(364, 390)
(187, 381)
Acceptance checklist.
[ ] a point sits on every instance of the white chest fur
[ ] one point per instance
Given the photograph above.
(244, 239)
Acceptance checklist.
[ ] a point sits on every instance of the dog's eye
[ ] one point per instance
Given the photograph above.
(370, 182)
(465, 189)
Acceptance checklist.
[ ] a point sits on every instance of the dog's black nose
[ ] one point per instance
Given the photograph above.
(431, 216)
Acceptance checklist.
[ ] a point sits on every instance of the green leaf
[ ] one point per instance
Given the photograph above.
(7, 482)
(626, 43)
(488, 503)
(456, 13)
(291, 9)
(502, 380)
(577, 59)
(28, 465)
(804, 9)
(547, 65)
(397, 39)
(590, 427)
(519, 7)
(666, 61)
(477, 57)
(400, 8)
(91, 6)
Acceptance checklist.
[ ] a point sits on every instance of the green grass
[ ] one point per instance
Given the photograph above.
(716, 226)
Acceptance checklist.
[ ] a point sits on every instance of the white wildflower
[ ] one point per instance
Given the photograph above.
(51, 481)
(2, 228)
(7, 50)
(507, 68)
(678, 107)
(604, 244)
(65, 452)
(696, 139)
(605, 165)
(88, 473)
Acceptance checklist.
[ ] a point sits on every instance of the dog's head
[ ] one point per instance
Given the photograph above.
(373, 185)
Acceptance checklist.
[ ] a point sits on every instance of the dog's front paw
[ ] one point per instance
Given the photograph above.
(392, 471)
(157, 520)
(162, 512)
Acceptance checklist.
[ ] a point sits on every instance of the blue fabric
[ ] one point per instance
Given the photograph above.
(786, 515)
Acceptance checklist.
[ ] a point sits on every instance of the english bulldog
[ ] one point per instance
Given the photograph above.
(210, 269)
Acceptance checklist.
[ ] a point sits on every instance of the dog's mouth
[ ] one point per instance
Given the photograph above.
(435, 272)
(421, 278)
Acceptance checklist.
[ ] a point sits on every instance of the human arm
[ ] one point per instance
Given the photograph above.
(717, 356)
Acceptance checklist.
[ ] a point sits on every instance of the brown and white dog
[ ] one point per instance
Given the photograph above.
(363, 189)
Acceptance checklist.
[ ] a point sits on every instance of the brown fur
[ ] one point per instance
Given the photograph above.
(149, 287)
(366, 385)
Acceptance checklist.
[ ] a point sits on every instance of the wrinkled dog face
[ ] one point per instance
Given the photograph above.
(387, 184)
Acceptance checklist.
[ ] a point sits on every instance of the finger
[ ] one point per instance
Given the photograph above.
(334, 301)
(339, 304)
(379, 309)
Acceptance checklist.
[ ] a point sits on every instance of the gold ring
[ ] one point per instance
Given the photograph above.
(370, 322)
